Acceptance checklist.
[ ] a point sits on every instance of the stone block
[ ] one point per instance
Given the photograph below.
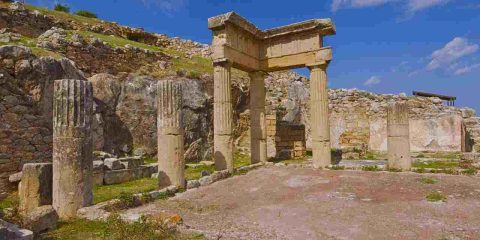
(98, 177)
(118, 176)
(3, 233)
(193, 184)
(35, 188)
(41, 219)
(131, 162)
(98, 165)
(15, 178)
(113, 164)
(14, 232)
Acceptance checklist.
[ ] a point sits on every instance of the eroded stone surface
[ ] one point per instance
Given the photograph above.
(41, 219)
(35, 188)
(340, 205)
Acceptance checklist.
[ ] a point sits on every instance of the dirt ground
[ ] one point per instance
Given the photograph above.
(302, 203)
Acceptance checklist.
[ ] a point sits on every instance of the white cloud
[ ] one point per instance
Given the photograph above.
(166, 5)
(466, 69)
(454, 50)
(411, 6)
(373, 80)
(417, 5)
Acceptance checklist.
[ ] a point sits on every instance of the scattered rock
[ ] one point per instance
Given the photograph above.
(193, 184)
(113, 164)
(205, 173)
(15, 178)
(41, 219)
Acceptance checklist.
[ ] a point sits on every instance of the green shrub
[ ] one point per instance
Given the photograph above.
(394, 169)
(470, 171)
(61, 8)
(436, 197)
(127, 199)
(194, 75)
(85, 13)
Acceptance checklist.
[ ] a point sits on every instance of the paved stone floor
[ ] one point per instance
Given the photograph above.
(302, 203)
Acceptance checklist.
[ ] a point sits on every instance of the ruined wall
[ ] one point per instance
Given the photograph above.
(358, 118)
(26, 87)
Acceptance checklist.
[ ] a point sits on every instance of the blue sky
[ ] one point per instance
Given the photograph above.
(383, 46)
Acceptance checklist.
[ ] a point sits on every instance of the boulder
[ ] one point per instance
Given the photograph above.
(41, 219)
(13, 232)
(131, 162)
(35, 188)
(3, 233)
(193, 184)
(113, 164)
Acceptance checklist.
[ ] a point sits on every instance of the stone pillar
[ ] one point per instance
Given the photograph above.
(35, 188)
(171, 164)
(398, 141)
(72, 146)
(319, 121)
(258, 132)
(222, 117)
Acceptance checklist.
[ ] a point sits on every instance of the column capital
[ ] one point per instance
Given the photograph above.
(318, 65)
(224, 62)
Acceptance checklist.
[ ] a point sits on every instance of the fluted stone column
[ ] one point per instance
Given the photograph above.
(258, 132)
(171, 163)
(319, 121)
(398, 141)
(72, 146)
(222, 116)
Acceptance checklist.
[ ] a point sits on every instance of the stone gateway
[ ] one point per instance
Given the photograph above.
(239, 44)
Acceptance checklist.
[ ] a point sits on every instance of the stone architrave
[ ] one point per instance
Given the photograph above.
(223, 117)
(319, 120)
(171, 163)
(257, 118)
(398, 140)
(72, 146)
(35, 187)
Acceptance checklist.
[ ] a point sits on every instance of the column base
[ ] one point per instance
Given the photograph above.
(223, 152)
(258, 149)
(321, 154)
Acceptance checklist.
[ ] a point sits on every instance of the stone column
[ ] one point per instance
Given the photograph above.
(319, 121)
(398, 141)
(222, 116)
(72, 146)
(35, 188)
(258, 132)
(171, 164)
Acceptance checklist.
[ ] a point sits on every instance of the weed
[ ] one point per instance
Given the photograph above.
(127, 200)
(470, 171)
(420, 170)
(371, 168)
(428, 180)
(394, 169)
(337, 167)
(436, 197)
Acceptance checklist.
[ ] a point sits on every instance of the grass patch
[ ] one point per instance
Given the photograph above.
(64, 16)
(470, 171)
(147, 228)
(394, 169)
(428, 180)
(108, 192)
(371, 168)
(196, 172)
(240, 160)
(150, 160)
(436, 164)
(10, 201)
(436, 197)
(337, 167)
(195, 67)
(115, 41)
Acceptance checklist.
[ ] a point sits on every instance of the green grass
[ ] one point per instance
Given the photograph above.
(196, 173)
(394, 170)
(337, 167)
(64, 16)
(115, 41)
(436, 197)
(470, 171)
(436, 164)
(428, 180)
(10, 201)
(373, 168)
(108, 192)
(440, 155)
(150, 160)
(114, 228)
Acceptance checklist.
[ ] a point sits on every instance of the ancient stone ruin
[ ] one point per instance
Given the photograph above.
(171, 164)
(72, 146)
(398, 137)
(239, 44)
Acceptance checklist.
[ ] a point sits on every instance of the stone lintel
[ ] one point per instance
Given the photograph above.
(322, 26)
(320, 57)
